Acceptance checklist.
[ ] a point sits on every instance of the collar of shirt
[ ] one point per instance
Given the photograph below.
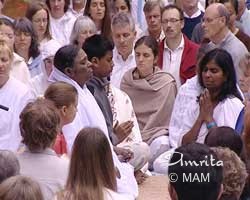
(224, 40)
(160, 38)
(74, 12)
(119, 58)
(196, 14)
(181, 45)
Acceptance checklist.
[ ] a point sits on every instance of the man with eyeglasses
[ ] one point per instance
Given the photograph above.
(215, 24)
(177, 53)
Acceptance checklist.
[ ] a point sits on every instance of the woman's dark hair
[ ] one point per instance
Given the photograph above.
(127, 2)
(234, 3)
(66, 6)
(106, 23)
(39, 124)
(91, 166)
(25, 25)
(224, 60)
(7, 22)
(150, 42)
(65, 57)
(33, 8)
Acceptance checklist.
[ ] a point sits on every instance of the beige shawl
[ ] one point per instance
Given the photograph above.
(153, 99)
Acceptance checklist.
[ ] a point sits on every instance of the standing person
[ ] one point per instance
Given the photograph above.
(26, 45)
(124, 34)
(39, 125)
(177, 54)
(72, 66)
(98, 11)
(152, 93)
(65, 98)
(19, 68)
(14, 95)
(152, 11)
(89, 177)
(61, 21)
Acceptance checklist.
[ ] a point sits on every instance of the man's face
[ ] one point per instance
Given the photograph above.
(124, 38)
(212, 23)
(103, 66)
(172, 23)
(153, 19)
(189, 5)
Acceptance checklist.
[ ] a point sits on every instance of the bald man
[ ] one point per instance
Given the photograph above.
(215, 25)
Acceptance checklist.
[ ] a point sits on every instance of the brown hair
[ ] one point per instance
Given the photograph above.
(61, 94)
(106, 23)
(39, 124)
(91, 166)
(33, 8)
(66, 6)
(20, 188)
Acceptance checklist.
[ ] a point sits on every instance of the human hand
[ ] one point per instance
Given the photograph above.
(123, 130)
(124, 155)
(206, 107)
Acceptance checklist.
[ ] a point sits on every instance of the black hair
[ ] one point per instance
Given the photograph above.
(7, 22)
(195, 189)
(172, 6)
(97, 46)
(66, 6)
(224, 60)
(234, 3)
(128, 4)
(65, 57)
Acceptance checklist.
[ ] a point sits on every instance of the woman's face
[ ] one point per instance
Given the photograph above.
(7, 34)
(121, 6)
(97, 10)
(48, 64)
(40, 22)
(145, 60)
(22, 40)
(213, 77)
(57, 8)
(84, 34)
(5, 63)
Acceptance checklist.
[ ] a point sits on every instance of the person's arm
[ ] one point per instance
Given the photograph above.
(206, 115)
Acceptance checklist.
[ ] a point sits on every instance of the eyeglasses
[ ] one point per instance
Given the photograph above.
(38, 21)
(209, 20)
(171, 20)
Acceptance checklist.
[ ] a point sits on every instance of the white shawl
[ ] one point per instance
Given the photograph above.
(90, 115)
(186, 111)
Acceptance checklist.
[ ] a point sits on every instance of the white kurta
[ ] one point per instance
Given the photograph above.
(90, 115)
(14, 95)
(186, 111)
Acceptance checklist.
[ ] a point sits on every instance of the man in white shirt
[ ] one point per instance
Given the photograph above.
(177, 54)
(124, 34)
(152, 11)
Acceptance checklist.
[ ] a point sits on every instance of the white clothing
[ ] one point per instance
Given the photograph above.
(75, 13)
(14, 95)
(186, 111)
(111, 195)
(89, 114)
(121, 67)
(61, 28)
(172, 61)
(245, 21)
(19, 69)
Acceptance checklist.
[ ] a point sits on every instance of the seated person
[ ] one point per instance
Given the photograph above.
(234, 173)
(39, 125)
(9, 165)
(209, 100)
(99, 52)
(20, 188)
(195, 189)
(14, 95)
(224, 137)
(152, 93)
(89, 176)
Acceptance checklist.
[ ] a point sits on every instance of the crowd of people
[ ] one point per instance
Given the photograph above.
(96, 96)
